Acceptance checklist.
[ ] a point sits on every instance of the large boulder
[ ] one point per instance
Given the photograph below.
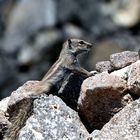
(125, 125)
(134, 78)
(52, 119)
(123, 59)
(101, 97)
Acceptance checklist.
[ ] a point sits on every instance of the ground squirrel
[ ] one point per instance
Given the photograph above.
(66, 64)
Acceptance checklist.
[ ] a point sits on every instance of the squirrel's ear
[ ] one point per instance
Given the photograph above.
(69, 41)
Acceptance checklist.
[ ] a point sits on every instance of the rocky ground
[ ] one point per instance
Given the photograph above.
(105, 107)
(32, 33)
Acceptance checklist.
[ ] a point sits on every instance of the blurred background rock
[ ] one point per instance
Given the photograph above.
(32, 33)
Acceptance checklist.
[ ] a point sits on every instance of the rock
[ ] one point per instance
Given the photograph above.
(26, 19)
(108, 46)
(101, 23)
(22, 93)
(72, 31)
(4, 104)
(52, 119)
(129, 10)
(126, 40)
(134, 78)
(125, 125)
(27, 55)
(123, 59)
(94, 134)
(104, 66)
(47, 39)
(70, 8)
(123, 73)
(44, 41)
(100, 99)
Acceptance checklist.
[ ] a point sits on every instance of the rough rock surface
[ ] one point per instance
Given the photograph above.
(20, 101)
(104, 66)
(100, 98)
(125, 125)
(123, 59)
(51, 120)
(123, 73)
(22, 92)
(4, 104)
(134, 78)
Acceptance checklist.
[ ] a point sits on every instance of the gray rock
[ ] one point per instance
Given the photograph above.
(128, 10)
(100, 99)
(125, 125)
(82, 12)
(72, 31)
(95, 134)
(134, 78)
(52, 120)
(32, 52)
(4, 104)
(123, 59)
(104, 66)
(26, 19)
(125, 40)
(70, 8)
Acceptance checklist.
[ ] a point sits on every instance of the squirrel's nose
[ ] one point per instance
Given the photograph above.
(89, 46)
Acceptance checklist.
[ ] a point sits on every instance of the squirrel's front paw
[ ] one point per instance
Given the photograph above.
(31, 95)
(92, 73)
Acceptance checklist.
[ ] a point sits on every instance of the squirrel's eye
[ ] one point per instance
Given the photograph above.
(81, 42)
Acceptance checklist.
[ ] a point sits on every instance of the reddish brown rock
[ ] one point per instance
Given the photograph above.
(123, 73)
(125, 125)
(134, 78)
(104, 66)
(100, 99)
(123, 59)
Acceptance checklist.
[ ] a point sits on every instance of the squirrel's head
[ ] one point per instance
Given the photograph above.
(77, 46)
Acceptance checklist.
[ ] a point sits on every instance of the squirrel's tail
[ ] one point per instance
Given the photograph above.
(18, 119)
